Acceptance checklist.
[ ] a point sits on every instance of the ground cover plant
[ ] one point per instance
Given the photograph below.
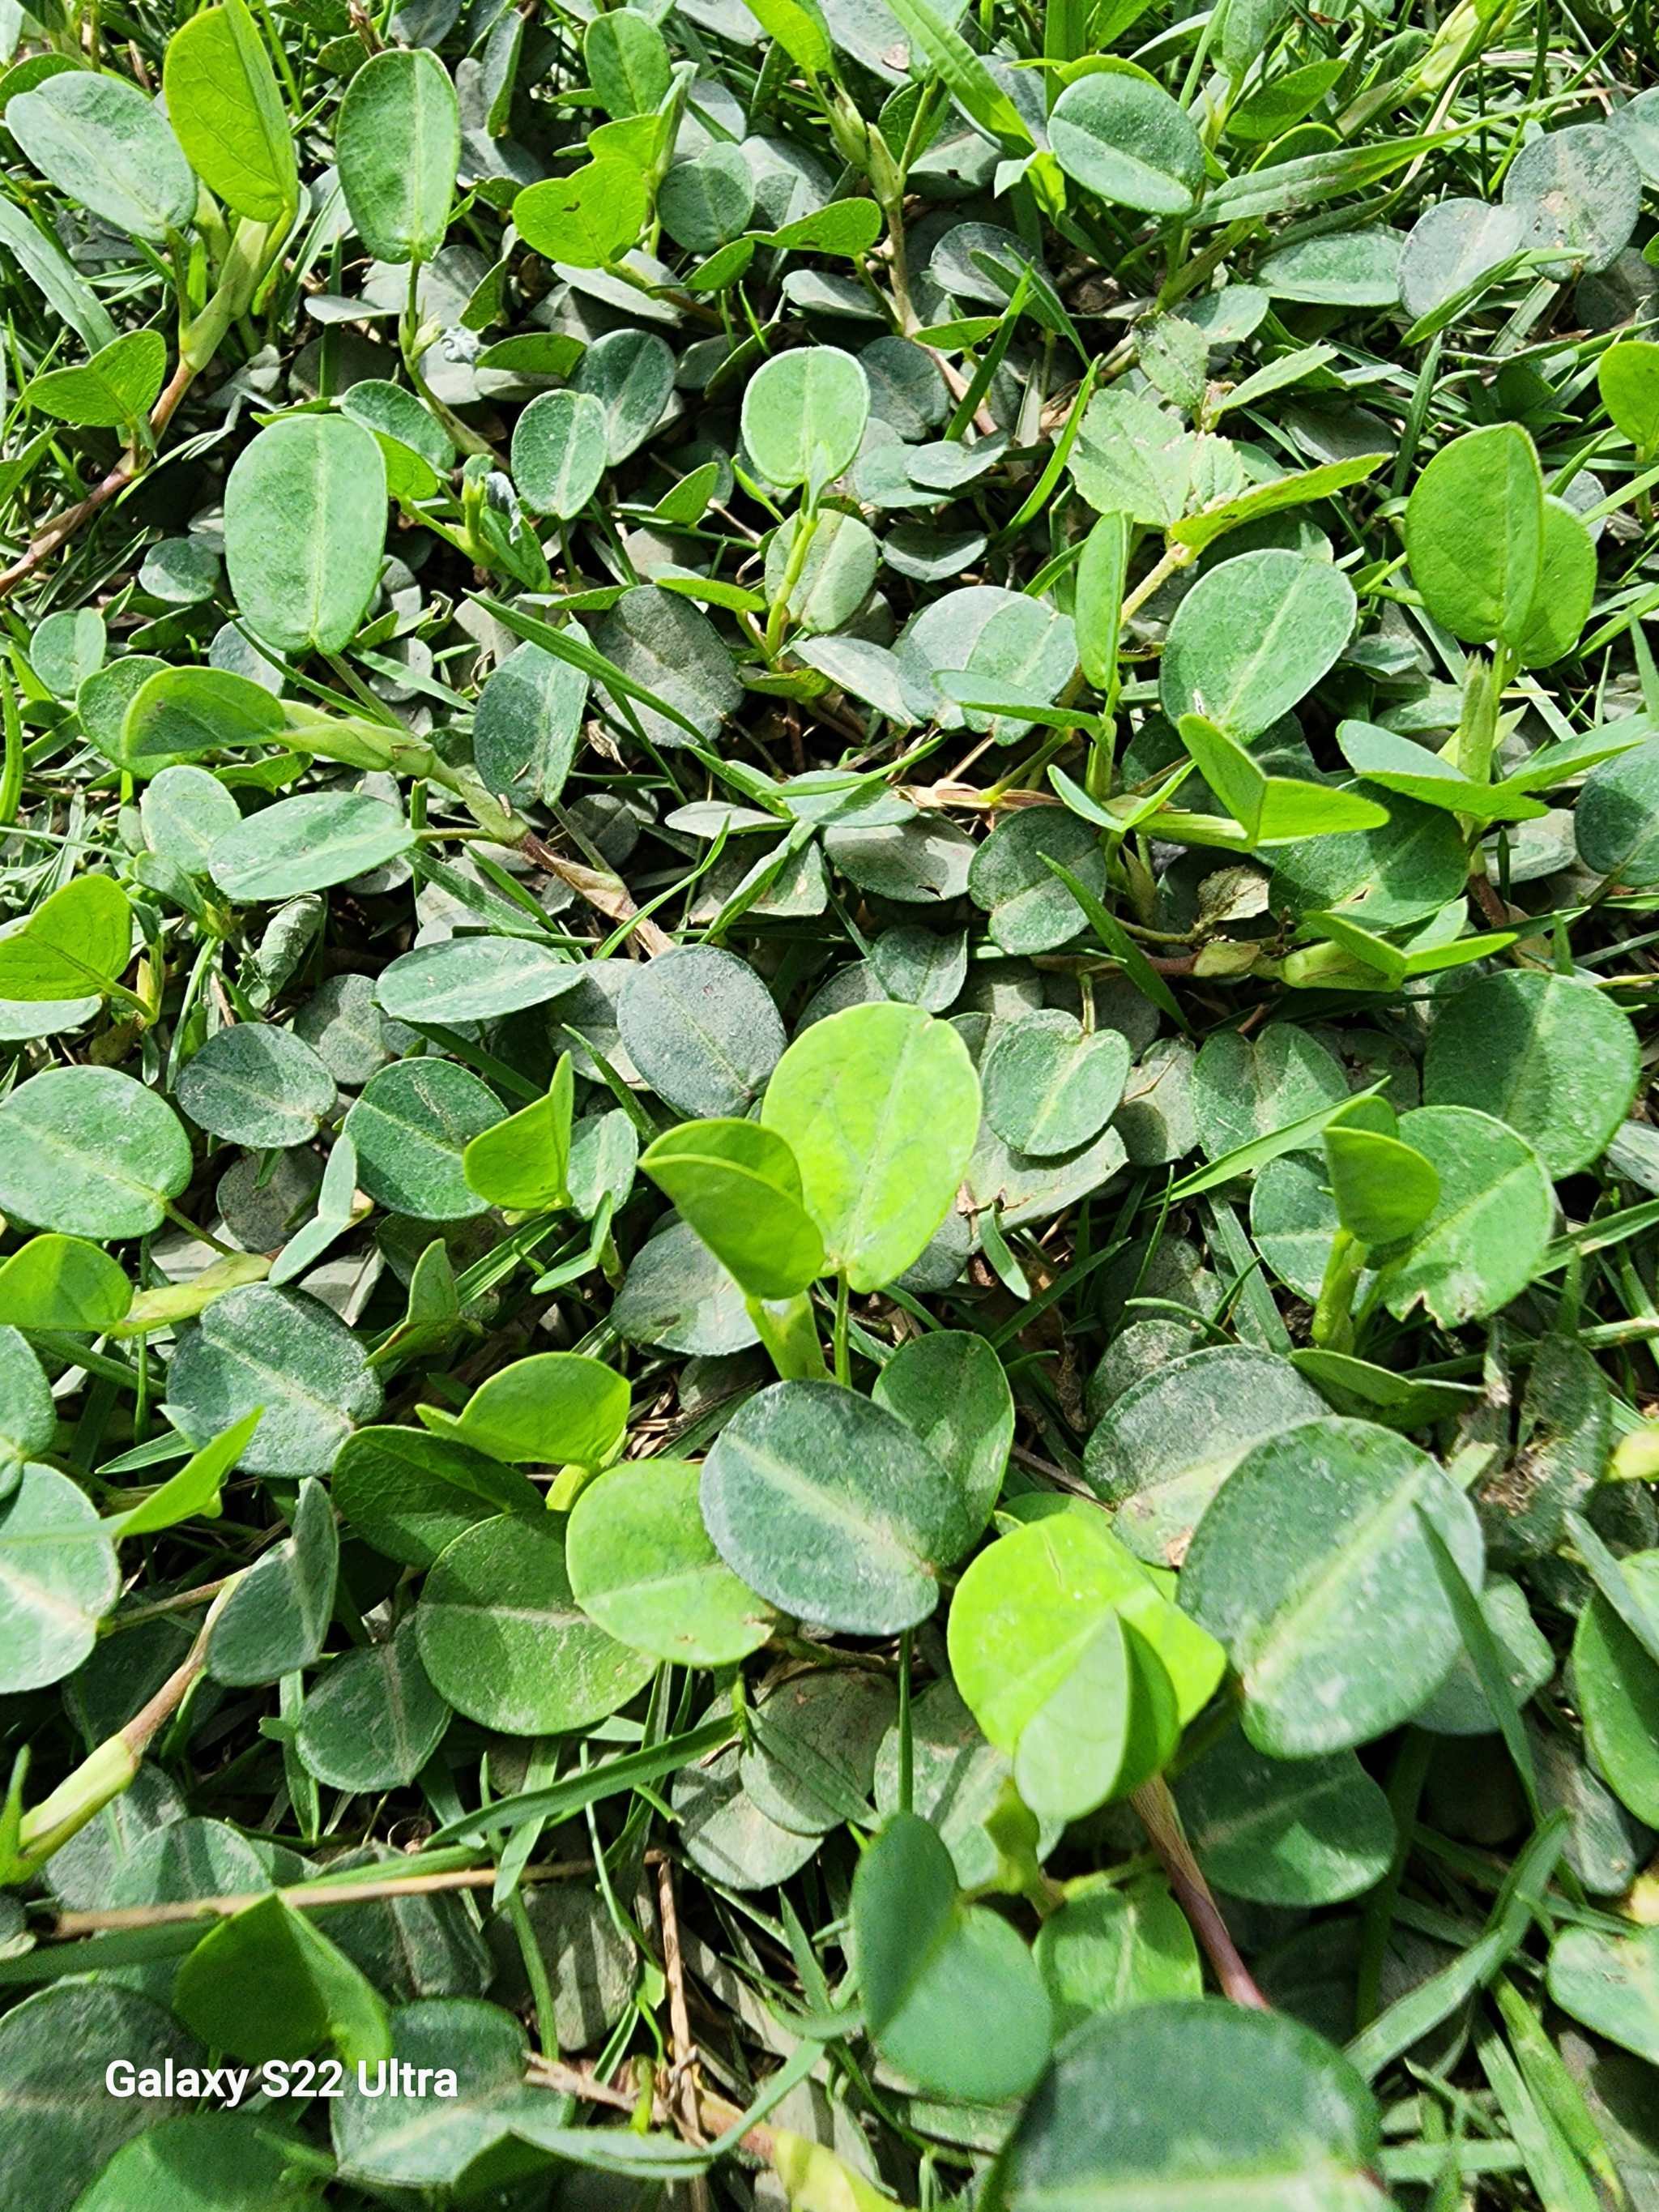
(828, 834)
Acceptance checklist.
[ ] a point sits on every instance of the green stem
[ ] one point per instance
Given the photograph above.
(843, 1355)
(790, 1336)
(1333, 1320)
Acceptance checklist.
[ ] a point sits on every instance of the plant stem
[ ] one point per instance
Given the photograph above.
(1157, 1809)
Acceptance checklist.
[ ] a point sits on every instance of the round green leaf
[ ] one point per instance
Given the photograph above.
(1616, 822)
(286, 1355)
(1170, 1441)
(1245, 1087)
(804, 414)
(209, 2162)
(1030, 909)
(373, 1719)
(1286, 1831)
(57, 1580)
(28, 1418)
(932, 1972)
(553, 1408)
(472, 979)
(304, 529)
(725, 1834)
(1549, 1056)
(1312, 1567)
(880, 1106)
(411, 1125)
(409, 1494)
(586, 219)
(642, 1566)
(504, 1641)
(91, 1153)
(275, 1620)
(1253, 637)
(1283, 2121)
(97, 138)
(1487, 1236)
(1475, 533)
(559, 453)
(702, 1029)
(833, 1510)
(185, 811)
(1610, 1983)
(1567, 577)
(810, 1761)
(1049, 1084)
(703, 202)
(737, 1185)
(1113, 1947)
(255, 1084)
(1579, 192)
(952, 1391)
(397, 142)
(1380, 878)
(1123, 138)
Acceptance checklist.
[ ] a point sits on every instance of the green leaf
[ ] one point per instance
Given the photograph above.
(503, 1640)
(559, 447)
(1272, 809)
(523, 1162)
(411, 1125)
(1616, 1680)
(1252, 637)
(57, 1580)
(305, 844)
(1074, 1664)
(275, 1619)
(1120, 135)
(1488, 1234)
(281, 1353)
(1474, 534)
(701, 1028)
(205, 2161)
(585, 220)
(255, 1084)
(62, 1282)
(1627, 377)
(1307, 1526)
(1286, 1831)
(737, 1185)
(1610, 1983)
(642, 1566)
(628, 63)
(374, 1719)
(1112, 1948)
(1283, 2118)
(224, 103)
(1050, 1086)
(114, 390)
(177, 713)
(28, 1418)
(834, 1510)
(77, 941)
(554, 1407)
(398, 145)
(798, 28)
(880, 1106)
(304, 529)
(932, 1970)
(804, 413)
(267, 1983)
(409, 1494)
(472, 979)
(194, 1488)
(1399, 764)
(1567, 578)
(55, 278)
(1384, 1190)
(91, 1153)
(1551, 1056)
(1167, 1444)
(952, 1391)
(108, 148)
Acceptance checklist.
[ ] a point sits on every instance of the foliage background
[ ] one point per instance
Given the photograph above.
(827, 835)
